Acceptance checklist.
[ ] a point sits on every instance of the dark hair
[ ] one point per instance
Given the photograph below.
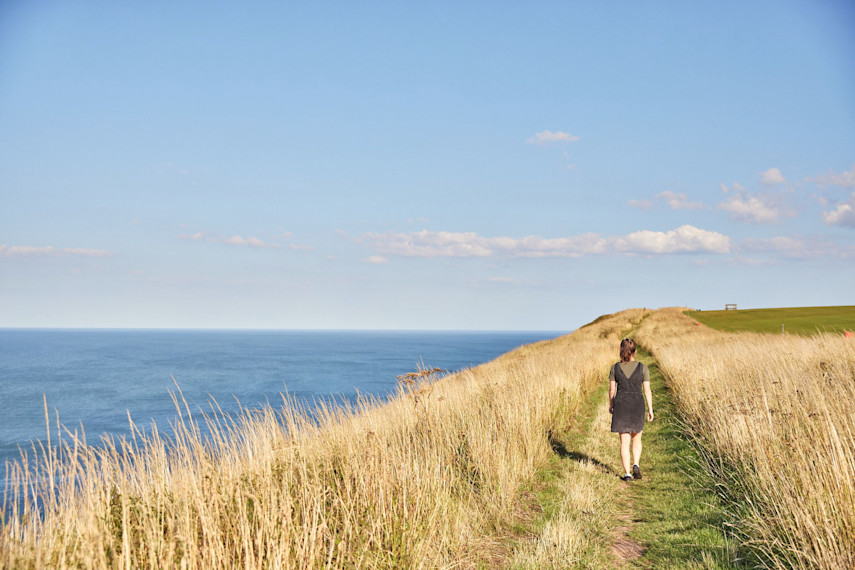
(627, 349)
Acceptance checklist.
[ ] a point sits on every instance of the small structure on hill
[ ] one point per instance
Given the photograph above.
(730, 307)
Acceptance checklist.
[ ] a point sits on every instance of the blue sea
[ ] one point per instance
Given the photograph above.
(95, 378)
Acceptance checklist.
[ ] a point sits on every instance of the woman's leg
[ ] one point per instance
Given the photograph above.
(624, 451)
(636, 448)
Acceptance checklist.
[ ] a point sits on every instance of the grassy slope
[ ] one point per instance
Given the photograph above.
(798, 320)
(435, 476)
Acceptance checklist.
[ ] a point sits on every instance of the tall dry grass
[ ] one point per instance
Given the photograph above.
(430, 478)
(775, 415)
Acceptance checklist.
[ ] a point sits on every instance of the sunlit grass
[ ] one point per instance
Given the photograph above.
(797, 320)
(433, 477)
(774, 416)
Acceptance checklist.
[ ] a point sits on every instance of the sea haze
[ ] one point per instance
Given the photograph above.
(97, 377)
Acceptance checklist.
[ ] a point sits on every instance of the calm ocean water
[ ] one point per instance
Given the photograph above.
(96, 377)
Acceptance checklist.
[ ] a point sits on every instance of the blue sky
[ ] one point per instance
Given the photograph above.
(446, 165)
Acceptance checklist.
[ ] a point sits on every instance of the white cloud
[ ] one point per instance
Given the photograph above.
(678, 201)
(429, 244)
(375, 259)
(685, 239)
(842, 215)
(845, 179)
(640, 204)
(250, 241)
(759, 208)
(301, 247)
(234, 240)
(545, 137)
(10, 251)
(749, 209)
(737, 187)
(772, 177)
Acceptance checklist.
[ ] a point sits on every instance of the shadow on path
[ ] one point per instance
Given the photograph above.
(559, 448)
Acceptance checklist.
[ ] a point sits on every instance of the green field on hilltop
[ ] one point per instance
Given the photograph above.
(796, 320)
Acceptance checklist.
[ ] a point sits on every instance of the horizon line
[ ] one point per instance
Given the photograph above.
(256, 329)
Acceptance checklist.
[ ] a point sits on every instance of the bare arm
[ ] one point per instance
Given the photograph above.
(649, 396)
(612, 392)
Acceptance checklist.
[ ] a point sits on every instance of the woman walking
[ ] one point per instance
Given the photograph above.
(629, 384)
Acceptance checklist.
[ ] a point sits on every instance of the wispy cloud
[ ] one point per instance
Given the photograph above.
(739, 260)
(749, 209)
(842, 215)
(675, 200)
(844, 179)
(250, 241)
(678, 201)
(757, 207)
(772, 177)
(233, 240)
(640, 204)
(799, 247)
(9, 251)
(375, 259)
(685, 239)
(545, 137)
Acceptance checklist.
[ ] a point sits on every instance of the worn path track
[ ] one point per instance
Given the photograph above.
(669, 519)
(675, 516)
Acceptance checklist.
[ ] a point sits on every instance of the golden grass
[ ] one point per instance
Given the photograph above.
(430, 478)
(776, 416)
(581, 533)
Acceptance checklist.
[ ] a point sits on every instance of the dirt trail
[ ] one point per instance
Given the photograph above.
(667, 520)
(626, 549)
(602, 446)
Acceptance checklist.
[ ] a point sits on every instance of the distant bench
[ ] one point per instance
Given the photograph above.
(730, 307)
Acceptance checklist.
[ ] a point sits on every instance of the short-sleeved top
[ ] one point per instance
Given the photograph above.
(628, 368)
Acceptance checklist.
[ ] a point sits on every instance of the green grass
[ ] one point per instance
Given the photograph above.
(549, 489)
(677, 516)
(797, 320)
(673, 512)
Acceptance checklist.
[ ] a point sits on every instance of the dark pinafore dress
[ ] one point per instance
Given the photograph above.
(628, 413)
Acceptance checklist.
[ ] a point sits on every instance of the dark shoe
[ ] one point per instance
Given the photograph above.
(626, 478)
(636, 472)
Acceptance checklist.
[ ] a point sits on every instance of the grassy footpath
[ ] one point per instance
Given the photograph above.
(670, 519)
(677, 517)
(575, 494)
(796, 320)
